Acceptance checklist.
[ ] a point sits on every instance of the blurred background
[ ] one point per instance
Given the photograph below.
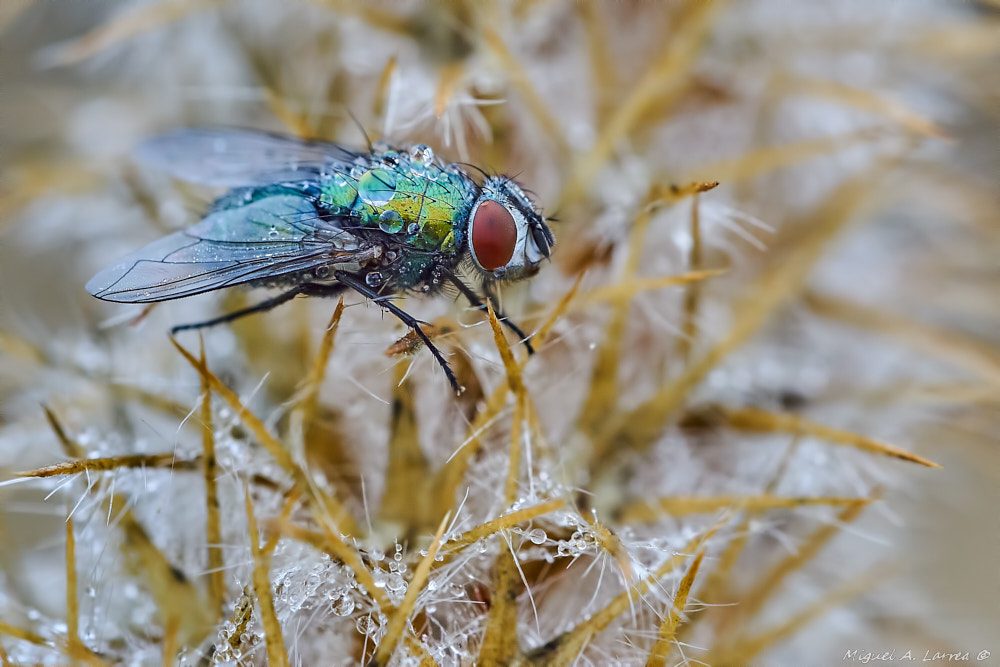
(856, 148)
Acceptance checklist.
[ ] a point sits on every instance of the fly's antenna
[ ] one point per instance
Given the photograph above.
(361, 127)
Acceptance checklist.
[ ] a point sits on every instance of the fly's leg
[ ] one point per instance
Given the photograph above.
(263, 306)
(478, 304)
(361, 288)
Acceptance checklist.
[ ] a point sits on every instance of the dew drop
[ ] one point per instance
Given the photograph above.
(374, 279)
(377, 187)
(342, 605)
(390, 221)
(413, 228)
(537, 536)
(366, 625)
(422, 154)
(396, 583)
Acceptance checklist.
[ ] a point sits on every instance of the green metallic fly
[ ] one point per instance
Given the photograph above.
(318, 219)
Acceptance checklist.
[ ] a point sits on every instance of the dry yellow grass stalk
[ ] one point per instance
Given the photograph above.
(324, 502)
(752, 419)
(646, 510)
(275, 642)
(668, 629)
(213, 522)
(128, 26)
(500, 645)
(399, 616)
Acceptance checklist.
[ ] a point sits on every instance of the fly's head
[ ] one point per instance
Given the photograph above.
(508, 237)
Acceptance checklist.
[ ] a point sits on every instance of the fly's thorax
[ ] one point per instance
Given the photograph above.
(508, 237)
(406, 194)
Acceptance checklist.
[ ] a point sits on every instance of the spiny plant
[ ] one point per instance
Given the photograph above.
(699, 396)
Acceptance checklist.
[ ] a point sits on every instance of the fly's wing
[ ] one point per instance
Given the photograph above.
(237, 158)
(266, 238)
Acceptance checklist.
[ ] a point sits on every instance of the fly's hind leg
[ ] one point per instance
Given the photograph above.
(361, 288)
(308, 289)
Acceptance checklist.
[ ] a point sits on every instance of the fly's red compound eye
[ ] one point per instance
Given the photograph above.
(494, 235)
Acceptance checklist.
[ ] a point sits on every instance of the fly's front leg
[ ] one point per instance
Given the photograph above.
(478, 304)
(361, 288)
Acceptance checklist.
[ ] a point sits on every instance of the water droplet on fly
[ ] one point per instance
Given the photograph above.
(377, 187)
(390, 221)
(422, 154)
(374, 279)
(273, 233)
(413, 228)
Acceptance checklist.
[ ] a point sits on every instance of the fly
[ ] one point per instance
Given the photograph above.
(318, 219)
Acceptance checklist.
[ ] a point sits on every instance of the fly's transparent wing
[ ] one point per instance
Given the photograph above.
(237, 158)
(267, 238)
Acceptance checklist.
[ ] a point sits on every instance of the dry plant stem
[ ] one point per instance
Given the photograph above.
(604, 376)
(107, 463)
(863, 100)
(23, 635)
(693, 293)
(170, 642)
(382, 90)
(522, 83)
(308, 395)
(601, 63)
(612, 545)
(752, 419)
(451, 75)
(974, 356)
(520, 406)
(499, 524)
(296, 123)
(668, 629)
(174, 594)
(624, 291)
(500, 645)
(776, 286)
(213, 522)
(543, 332)
(74, 647)
(643, 511)
(407, 498)
(752, 601)
(320, 502)
(331, 543)
(665, 79)
(745, 649)
(373, 16)
(400, 615)
(564, 649)
(770, 158)
(128, 26)
(292, 497)
(276, 654)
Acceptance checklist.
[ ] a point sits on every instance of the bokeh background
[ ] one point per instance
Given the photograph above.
(748, 416)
